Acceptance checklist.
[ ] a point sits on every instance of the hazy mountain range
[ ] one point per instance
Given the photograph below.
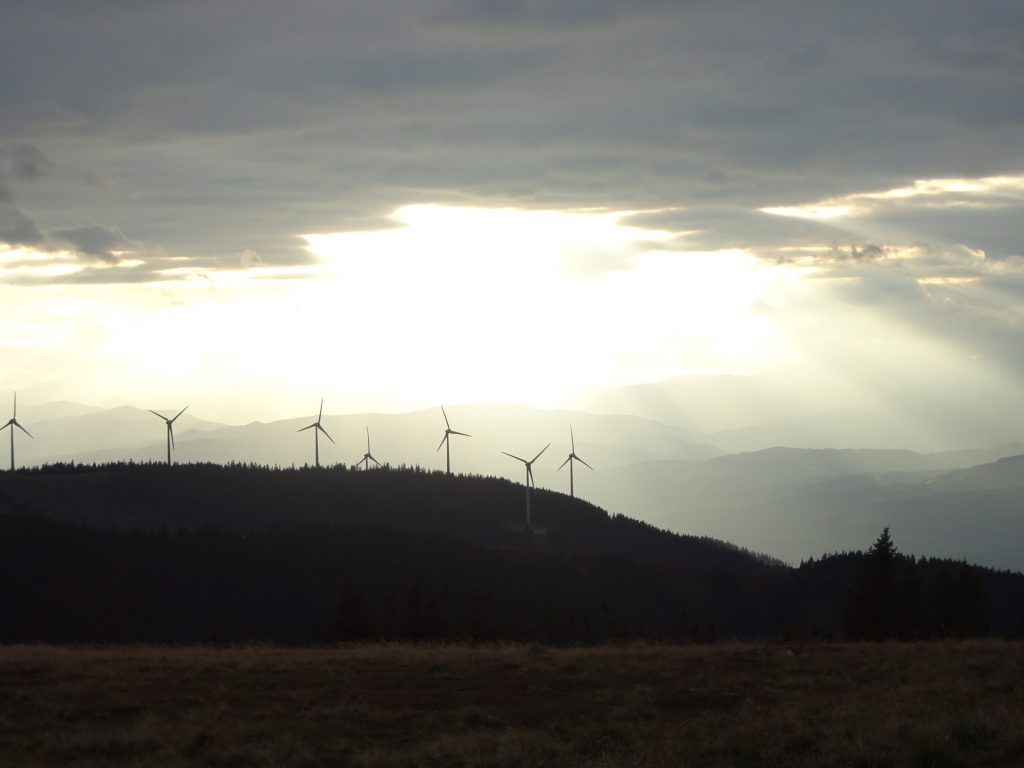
(788, 502)
(748, 413)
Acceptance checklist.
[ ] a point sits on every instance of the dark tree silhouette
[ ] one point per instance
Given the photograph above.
(195, 553)
(958, 605)
(885, 598)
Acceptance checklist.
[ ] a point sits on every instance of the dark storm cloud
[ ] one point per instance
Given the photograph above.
(715, 228)
(859, 252)
(18, 229)
(94, 241)
(994, 229)
(231, 126)
(24, 161)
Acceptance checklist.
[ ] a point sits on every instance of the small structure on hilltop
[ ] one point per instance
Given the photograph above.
(446, 441)
(317, 427)
(529, 479)
(573, 457)
(170, 429)
(367, 457)
(11, 424)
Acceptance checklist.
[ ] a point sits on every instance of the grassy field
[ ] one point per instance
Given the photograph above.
(937, 704)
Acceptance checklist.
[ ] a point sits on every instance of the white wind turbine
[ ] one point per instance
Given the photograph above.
(12, 424)
(170, 429)
(573, 457)
(367, 457)
(529, 477)
(446, 442)
(318, 428)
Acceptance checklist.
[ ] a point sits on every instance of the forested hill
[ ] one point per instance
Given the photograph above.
(482, 511)
(150, 553)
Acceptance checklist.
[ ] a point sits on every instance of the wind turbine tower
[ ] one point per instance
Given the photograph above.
(170, 429)
(317, 428)
(446, 442)
(367, 457)
(12, 424)
(573, 457)
(529, 478)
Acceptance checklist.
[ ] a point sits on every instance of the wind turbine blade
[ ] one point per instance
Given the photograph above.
(373, 460)
(529, 477)
(15, 415)
(512, 455)
(23, 429)
(442, 442)
(572, 439)
(179, 414)
(565, 462)
(460, 433)
(445, 418)
(158, 414)
(325, 432)
(367, 441)
(8, 424)
(541, 451)
(581, 461)
(305, 428)
(170, 433)
(321, 414)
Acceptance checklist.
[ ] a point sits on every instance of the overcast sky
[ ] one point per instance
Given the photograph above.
(243, 205)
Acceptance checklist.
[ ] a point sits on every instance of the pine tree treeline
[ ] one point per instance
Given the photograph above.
(150, 553)
(894, 597)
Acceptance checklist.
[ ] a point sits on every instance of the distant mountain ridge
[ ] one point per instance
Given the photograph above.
(740, 413)
(780, 500)
(791, 501)
(1005, 473)
(126, 433)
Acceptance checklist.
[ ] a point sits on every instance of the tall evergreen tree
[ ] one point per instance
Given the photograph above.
(884, 601)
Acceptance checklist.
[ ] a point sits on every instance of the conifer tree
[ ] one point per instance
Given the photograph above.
(884, 601)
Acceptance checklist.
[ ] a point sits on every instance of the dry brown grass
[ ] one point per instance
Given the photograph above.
(939, 704)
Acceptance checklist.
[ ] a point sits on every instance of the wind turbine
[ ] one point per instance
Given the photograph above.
(317, 428)
(448, 432)
(12, 424)
(170, 429)
(529, 477)
(367, 457)
(569, 461)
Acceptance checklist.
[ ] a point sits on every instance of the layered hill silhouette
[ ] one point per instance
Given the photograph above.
(787, 502)
(152, 553)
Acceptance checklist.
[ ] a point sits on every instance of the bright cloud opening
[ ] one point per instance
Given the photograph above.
(450, 304)
(938, 192)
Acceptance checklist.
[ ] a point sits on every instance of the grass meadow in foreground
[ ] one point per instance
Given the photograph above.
(934, 704)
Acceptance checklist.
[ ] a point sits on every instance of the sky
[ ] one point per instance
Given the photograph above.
(245, 206)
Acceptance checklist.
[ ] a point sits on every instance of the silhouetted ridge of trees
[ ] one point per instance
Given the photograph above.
(243, 497)
(66, 582)
(883, 594)
(150, 553)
